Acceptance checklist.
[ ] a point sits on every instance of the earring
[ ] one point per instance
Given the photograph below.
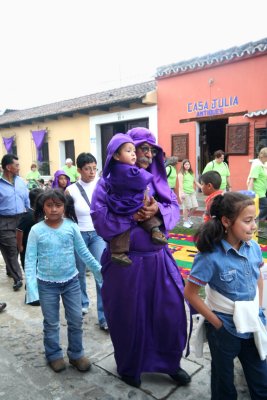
(225, 231)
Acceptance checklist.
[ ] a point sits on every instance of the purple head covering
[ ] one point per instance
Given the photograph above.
(116, 141)
(57, 174)
(157, 168)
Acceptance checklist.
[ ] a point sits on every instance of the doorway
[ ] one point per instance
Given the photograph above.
(109, 130)
(211, 138)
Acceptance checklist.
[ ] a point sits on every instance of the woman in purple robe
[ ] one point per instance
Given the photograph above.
(144, 303)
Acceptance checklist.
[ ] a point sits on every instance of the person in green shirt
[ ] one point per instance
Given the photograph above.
(171, 172)
(220, 166)
(258, 183)
(32, 177)
(187, 192)
(71, 170)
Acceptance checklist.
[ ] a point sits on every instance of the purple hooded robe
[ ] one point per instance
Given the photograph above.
(57, 174)
(125, 184)
(143, 303)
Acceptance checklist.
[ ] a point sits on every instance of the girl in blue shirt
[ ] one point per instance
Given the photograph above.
(228, 264)
(51, 274)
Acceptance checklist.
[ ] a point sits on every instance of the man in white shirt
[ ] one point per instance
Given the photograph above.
(81, 192)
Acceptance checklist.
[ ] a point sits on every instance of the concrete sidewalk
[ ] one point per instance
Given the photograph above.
(26, 376)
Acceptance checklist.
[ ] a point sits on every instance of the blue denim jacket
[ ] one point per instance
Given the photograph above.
(233, 273)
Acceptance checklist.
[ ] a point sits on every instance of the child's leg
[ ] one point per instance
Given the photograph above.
(49, 294)
(71, 298)
(224, 347)
(119, 245)
(193, 206)
(255, 369)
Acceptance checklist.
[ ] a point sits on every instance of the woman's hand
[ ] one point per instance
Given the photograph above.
(147, 212)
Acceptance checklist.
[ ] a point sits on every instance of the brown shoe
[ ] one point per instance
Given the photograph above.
(121, 258)
(57, 365)
(158, 237)
(82, 364)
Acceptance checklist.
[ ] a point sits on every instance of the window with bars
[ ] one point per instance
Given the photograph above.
(44, 166)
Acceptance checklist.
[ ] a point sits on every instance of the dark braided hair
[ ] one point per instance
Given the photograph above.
(229, 205)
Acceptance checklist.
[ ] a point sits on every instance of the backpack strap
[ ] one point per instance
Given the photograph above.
(169, 173)
(83, 193)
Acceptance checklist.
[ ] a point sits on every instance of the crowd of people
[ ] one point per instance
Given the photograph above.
(117, 227)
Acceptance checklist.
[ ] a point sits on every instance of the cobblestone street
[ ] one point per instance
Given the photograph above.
(25, 374)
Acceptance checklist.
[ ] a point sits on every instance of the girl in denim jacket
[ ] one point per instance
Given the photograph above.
(228, 265)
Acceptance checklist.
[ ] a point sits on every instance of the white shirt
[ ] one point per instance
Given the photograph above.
(82, 209)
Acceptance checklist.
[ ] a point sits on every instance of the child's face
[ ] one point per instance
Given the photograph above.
(206, 188)
(187, 166)
(54, 210)
(127, 154)
(62, 181)
(243, 227)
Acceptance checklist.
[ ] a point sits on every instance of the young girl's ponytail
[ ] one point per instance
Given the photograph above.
(211, 232)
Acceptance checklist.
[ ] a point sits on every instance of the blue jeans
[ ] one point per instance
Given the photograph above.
(224, 347)
(96, 246)
(50, 294)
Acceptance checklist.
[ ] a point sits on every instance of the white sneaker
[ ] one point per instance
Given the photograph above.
(190, 221)
(85, 310)
(186, 225)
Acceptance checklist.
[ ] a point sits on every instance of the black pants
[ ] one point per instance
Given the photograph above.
(8, 245)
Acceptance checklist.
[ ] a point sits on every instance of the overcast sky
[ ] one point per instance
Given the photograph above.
(54, 50)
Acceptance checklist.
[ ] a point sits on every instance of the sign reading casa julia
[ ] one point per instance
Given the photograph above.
(208, 108)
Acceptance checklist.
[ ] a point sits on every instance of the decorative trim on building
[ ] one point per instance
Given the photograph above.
(248, 49)
(257, 113)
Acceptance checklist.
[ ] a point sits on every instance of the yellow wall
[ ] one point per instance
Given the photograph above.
(75, 128)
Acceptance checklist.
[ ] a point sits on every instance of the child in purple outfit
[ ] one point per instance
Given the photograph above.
(127, 193)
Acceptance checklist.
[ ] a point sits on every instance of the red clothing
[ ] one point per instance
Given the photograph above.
(208, 202)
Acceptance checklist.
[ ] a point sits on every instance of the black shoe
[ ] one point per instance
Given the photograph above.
(158, 237)
(34, 303)
(181, 377)
(2, 306)
(121, 258)
(131, 381)
(17, 285)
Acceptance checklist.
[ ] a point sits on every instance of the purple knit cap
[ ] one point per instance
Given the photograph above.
(115, 142)
(157, 168)
(57, 174)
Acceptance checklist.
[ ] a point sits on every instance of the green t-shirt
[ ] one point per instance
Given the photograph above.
(221, 168)
(188, 183)
(32, 178)
(260, 180)
(171, 176)
(71, 172)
